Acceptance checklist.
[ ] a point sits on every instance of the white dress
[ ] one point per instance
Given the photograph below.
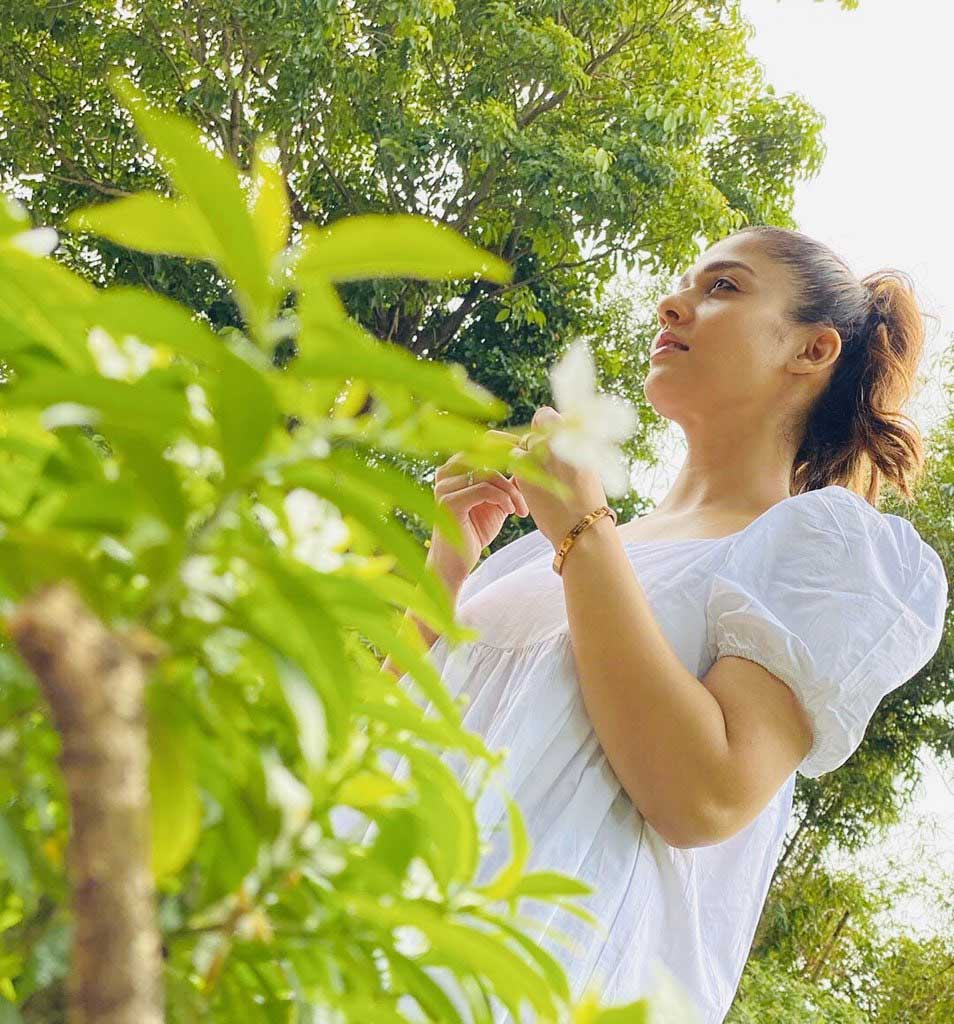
(842, 602)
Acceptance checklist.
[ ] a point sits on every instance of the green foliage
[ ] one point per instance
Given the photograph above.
(571, 140)
(149, 459)
(825, 952)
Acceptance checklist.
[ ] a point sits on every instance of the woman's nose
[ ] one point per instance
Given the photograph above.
(671, 309)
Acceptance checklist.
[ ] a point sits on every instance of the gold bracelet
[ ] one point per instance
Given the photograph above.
(568, 540)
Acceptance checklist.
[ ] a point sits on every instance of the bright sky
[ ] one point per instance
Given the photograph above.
(880, 75)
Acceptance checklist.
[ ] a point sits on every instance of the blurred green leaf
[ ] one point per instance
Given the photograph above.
(176, 811)
(245, 413)
(503, 886)
(14, 862)
(211, 185)
(395, 245)
(271, 216)
(432, 999)
(542, 884)
(160, 411)
(149, 223)
(14, 217)
(157, 320)
(155, 475)
(447, 815)
(43, 304)
(455, 945)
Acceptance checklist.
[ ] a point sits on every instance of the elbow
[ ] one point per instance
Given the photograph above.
(691, 830)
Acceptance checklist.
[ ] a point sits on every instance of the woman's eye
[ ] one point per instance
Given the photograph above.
(718, 279)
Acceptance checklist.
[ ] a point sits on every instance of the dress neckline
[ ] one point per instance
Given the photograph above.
(728, 536)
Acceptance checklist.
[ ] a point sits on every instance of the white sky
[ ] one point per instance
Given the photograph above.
(881, 75)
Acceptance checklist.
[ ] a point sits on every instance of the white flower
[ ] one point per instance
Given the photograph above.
(592, 423)
(36, 242)
(669, 1003)
(292, 797)
(206, 588)
(309, 714)
(254, 925)
(317, 529)
(419, 882)
(68, 414)
(126, 361)
(410, 940)
(270, 524)
(205, 460)
(223, 649)
(327, 860)
(198, 406)
(113, 549)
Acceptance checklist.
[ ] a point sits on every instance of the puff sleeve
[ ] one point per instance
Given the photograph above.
(840, 601)
(502, 561)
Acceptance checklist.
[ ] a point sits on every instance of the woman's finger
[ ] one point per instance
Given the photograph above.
(450, 484)
(464, 497)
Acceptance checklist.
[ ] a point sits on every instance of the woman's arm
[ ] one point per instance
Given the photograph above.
(453, 585)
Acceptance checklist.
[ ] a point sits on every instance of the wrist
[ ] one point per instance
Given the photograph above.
(452, 573)
(597, 533)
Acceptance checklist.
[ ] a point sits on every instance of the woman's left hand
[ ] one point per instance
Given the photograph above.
(555, 517)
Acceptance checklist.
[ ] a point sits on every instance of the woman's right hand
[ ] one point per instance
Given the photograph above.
(479, 508)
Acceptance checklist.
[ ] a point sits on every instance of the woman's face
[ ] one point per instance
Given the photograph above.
(741, 354)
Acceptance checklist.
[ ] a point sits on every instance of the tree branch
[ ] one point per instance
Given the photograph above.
(94, 684)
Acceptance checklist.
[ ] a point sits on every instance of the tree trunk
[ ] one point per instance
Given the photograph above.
(815, 968)
(94, 684)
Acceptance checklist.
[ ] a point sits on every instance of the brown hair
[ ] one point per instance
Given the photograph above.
(855, 434)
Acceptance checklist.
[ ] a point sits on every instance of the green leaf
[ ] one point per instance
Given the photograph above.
(271, 216)
(447, 815)
(14, 217)
(398, 838)
(502, 887)
(161, 411)
(403, 713)
(432, 999)
(464, 949)
(293, 621)
(631, 1013)
(176, 810)
(351, 499)
(149, 223)
(9, 1014)
(211, 185)
(395, 489)
(543, 884)
(245, 413)
(14, 862)
(154, 474)
(29, 559)
(551, 969)
(241, 819)
(369, 789)
(395, 245)
(108, 506)
(157, 320)
(44, 304)
(24, 450)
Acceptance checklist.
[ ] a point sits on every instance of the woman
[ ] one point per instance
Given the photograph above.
(763, 574)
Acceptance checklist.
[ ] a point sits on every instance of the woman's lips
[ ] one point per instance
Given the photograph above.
(665, 350)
